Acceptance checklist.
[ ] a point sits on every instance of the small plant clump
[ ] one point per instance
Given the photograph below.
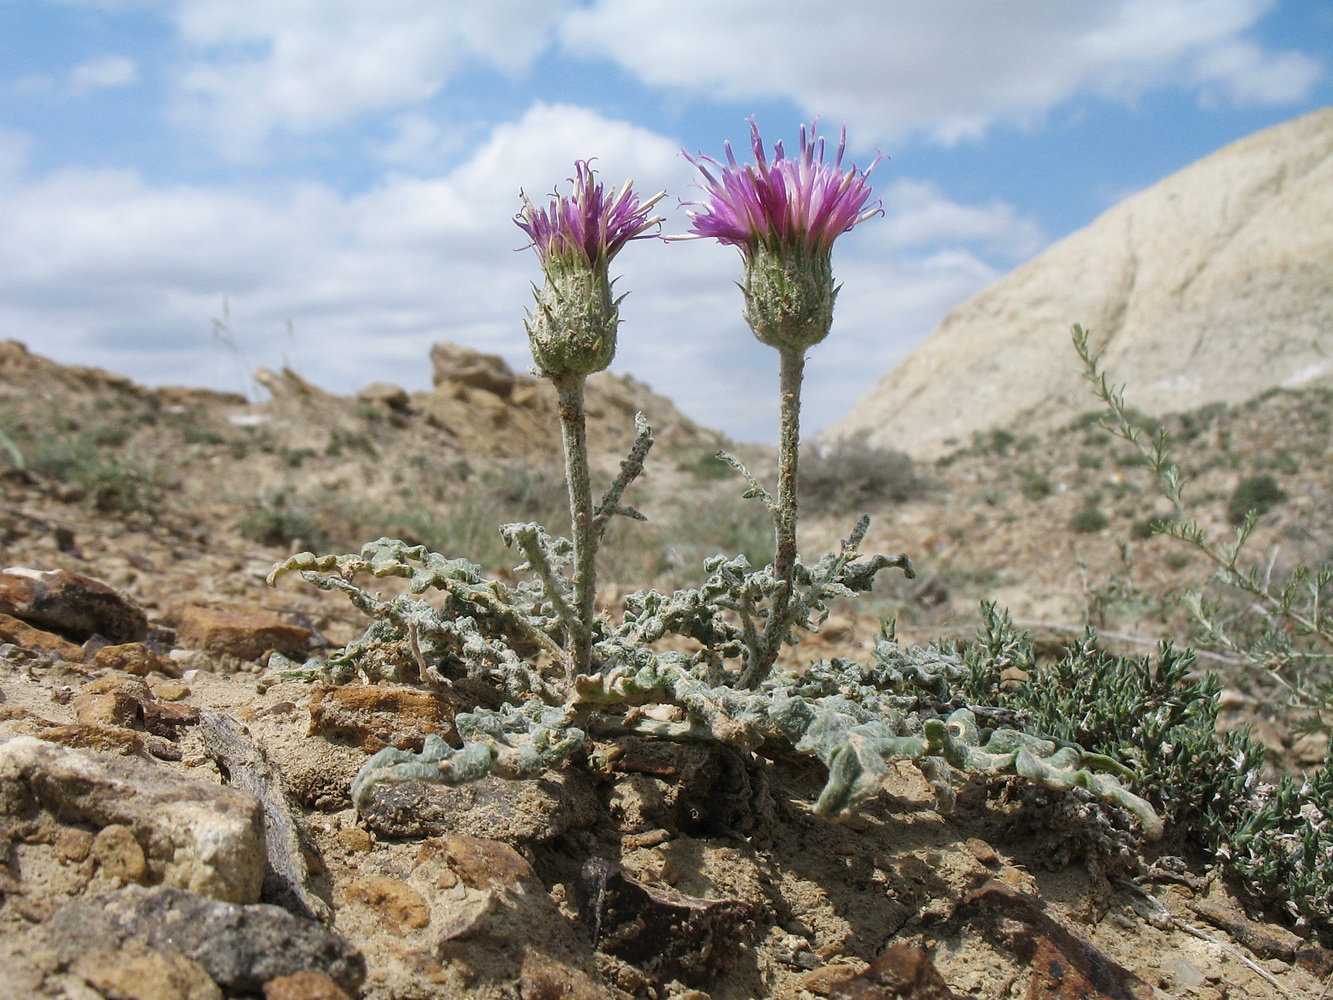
(542, 671)
(1276, 839)
(1255, 496)
(851, 473)
(1088, 520)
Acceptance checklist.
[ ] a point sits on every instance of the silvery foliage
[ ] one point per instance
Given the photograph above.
(502, 648)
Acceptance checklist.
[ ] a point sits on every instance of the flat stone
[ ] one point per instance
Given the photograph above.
(194, 835)
(20, 633)
(240, 947)
(243, 631)
(372, 717)
(532, 810)
(74, 605)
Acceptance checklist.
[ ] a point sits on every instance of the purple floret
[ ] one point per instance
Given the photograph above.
(802, 203)
(592, 223)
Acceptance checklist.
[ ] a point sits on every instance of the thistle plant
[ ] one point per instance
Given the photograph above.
(572, 334)
(540, 676)
(783, 216)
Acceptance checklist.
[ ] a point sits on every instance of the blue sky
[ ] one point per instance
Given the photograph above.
(342, 173)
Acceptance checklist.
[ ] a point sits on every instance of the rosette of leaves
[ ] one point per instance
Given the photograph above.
(501, 643)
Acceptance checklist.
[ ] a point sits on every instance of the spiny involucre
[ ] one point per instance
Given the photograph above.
(572, 330)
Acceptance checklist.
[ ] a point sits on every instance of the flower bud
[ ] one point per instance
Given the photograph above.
(572, 328)
(789, 297)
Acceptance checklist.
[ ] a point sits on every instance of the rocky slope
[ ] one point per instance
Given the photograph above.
(175, 821)
(1212, 285)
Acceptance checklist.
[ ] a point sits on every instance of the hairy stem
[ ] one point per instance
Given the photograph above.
(574, 432)
(790, 374)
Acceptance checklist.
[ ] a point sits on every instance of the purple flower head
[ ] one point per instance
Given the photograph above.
(798, 204)
(589, 226)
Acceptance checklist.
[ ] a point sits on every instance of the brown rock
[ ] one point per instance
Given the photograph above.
(1063, 965)
(823, 980)
(104, 739)
(371, 717)
(130, 657)
(118, 700)
(386, 394)
(453, 363)
(305, 985)
(20, 633)
(119, 854)
(136, 972)
(74, 605)
(108, 708)
(904, 972)
(73, 844)
(395, 901)
(666, 934)
(243, 631)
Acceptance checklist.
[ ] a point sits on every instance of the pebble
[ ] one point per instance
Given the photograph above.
(119, 854)
(130, 657)
(394, 900)
(304, 985)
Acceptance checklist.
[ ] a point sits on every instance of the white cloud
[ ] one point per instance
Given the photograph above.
(1248, 76)
(947, 68)
(105, 71)
(261, 67)
(103, 267)
(918, 214)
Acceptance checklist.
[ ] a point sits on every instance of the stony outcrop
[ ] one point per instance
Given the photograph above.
(1215, 284)
(492, 410)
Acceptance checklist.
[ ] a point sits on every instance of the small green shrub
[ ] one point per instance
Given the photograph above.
(280, 520)
(1149, 526)
(1088, 520)
(1036, 486)
(852, 474)
(1256, 495)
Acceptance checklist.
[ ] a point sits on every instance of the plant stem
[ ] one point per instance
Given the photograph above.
(574, 432)
(789, 443)
(790, 374)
